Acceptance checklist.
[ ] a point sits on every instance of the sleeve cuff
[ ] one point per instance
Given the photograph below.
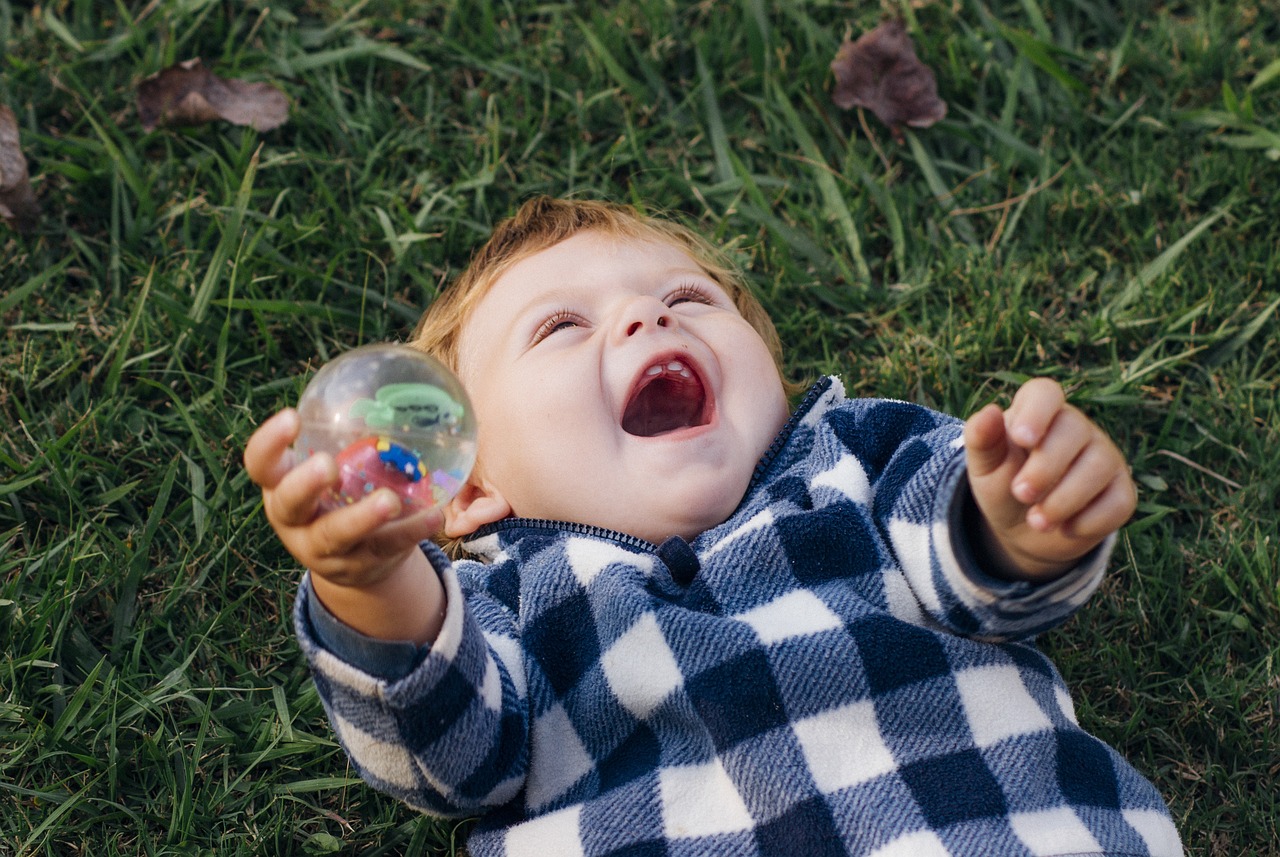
(390, 660)
(1070, 589)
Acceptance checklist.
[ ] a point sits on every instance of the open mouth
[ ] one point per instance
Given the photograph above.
(668, 396)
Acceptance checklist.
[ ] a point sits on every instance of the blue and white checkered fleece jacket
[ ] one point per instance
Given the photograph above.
(825, 673)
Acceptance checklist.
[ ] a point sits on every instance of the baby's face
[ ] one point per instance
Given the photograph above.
(616, 385)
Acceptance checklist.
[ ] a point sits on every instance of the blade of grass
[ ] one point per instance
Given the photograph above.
(1160, 265)
(232, 236)
(281, 703)
(118, 352)
(54, 818)
(1231, 347)
(1038, 21)
(610, 63)
(59, 29)
(758, 37)
(760, 210)
(72, 715)
(126, 171)
(1269, 73)
(715, 120)
(884, 201)
(126, 609)
(1040, 52)
(941, 193)
(361, 48)
(34, 283)
(834, 205)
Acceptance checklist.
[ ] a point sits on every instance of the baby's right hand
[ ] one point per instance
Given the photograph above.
(358, 545)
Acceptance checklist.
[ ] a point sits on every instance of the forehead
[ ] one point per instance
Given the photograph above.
(586, 262)
(586, 254)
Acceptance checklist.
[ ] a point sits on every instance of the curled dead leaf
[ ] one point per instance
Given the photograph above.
(190, 94)
(881, 72)
(18, 206)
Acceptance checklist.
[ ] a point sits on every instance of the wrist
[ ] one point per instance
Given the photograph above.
(406, 604)
(1004, 560)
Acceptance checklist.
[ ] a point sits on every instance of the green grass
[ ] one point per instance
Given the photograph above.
(1102, 205)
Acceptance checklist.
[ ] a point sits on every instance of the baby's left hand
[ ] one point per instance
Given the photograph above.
(1049, 483)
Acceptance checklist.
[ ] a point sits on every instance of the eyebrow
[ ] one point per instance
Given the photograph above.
(566, 294)
(557, 296)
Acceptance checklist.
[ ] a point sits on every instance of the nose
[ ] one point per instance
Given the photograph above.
(643, 314)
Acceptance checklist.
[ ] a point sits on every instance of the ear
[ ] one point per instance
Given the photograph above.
(477, 504)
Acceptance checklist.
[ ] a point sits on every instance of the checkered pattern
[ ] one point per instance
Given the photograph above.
(836, 678)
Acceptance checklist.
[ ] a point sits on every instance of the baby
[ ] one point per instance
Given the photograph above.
(693, 620)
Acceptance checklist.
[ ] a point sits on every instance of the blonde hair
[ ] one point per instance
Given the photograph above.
(543, 222)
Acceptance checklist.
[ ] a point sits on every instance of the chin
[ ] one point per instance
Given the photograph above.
(690, 528)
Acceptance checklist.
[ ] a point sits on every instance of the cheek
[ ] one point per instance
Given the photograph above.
(518, 419)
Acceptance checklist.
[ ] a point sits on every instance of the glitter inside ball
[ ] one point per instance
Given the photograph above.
(391, 417)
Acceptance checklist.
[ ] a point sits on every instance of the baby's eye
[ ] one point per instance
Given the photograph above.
(689, 293)
(562, 320)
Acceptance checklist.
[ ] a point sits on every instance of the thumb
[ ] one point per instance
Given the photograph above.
(411, 528)
(267, 457)
(986, 445)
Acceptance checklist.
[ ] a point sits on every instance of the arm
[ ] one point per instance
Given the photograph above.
(364, 561)
(449, 734)
(922, 504)
(1048, 484)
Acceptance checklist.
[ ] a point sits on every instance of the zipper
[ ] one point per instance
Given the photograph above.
(570, 527)
(779, 442)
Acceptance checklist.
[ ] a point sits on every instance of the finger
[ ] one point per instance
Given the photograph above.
(1107, 512)
(1090, 475)
(986, 448)
(1056, 454)
(341, 531)
(267, 456)
(296, 498)
(1034, 407)
(410, 529)
(373, 555)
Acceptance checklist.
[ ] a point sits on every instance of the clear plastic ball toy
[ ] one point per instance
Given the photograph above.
(391, 417)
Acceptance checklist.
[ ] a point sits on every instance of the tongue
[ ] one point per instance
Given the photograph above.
(664, 405)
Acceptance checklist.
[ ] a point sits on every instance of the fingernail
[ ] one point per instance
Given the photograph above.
(318, 465)
(387, 502)
(1024, 436)
(285, 419)
(1037, 521)
(1023, 492)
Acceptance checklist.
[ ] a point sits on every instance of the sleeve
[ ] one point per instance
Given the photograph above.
(449, 736)
(919, 501)
(385, 659)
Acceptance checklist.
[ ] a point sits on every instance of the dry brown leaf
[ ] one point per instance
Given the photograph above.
(190, 94)
(18, 206)
(881, 72)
